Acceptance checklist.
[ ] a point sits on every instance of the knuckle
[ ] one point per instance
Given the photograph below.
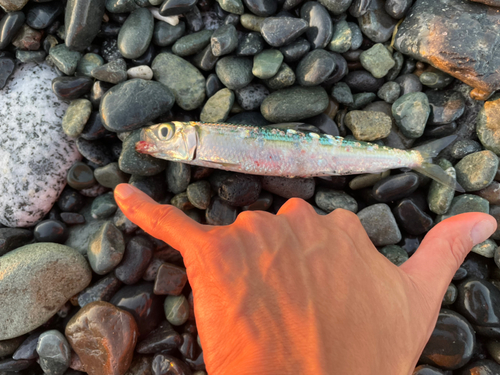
(297, 204)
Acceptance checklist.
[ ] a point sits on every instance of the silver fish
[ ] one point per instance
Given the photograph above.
(282, 151)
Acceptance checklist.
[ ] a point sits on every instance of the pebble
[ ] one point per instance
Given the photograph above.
(136, 33)
(411, 112)
(87, 63)
(293, 104)
(218, 106)
(329, 200)
(64, 59)
(9, 365)
(145, 307)
(187, 85)
(467, 203)
(363, 81)
(103, 206)
(481, 367)
(409, 83)
(476, 171)
(188, 348)
(138, 254)
(250, 44)
(396, 187)
(315, 68)
(251, 97)
(76, 117)
(487, 128)
(176, 309)
(164, 364)
(234, 72)
(397, 9)
(335, 6)
(280, 31)
(70, 200)
(32, 163)
(141, 365)
(178, 177)
(376, 24)
(452, 342)
(160, 339)
(341, 92)
(7, 67)
(118, 113)
(435, 79)
(49, 274)
(368, 125)
(9, 26)
(106, 249)
(296, 50)
(389, 92)
(165, 34)
(284, 78)
(8, 347)
(232, 6)
(366, 180)
(486, 248)
(12, 5)
(491, 193)
(377, 60)
(396, 254)
(27, 39)
(69, 88)
(80, 176)
(170, 280)
(104, 337)
(95, 151)
(50, 231)
(464, 147)
(12, 238)
(440, 196)
(110, 175)
(267, 63)
(54, 352)
(175, 7)
(132, 162)
(380, 224)
(479, 302)
(261, 8)
(224, 40)
(240, 190)
(101, 290)
(220, 213)
(113, 72)
(341, 40)
(82, 22)
(289, 187)
(412, 218)
(192, 43)
(320, 29)
(450, 295)
(446, 106)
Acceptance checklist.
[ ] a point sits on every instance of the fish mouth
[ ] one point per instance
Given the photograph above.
(144, 147)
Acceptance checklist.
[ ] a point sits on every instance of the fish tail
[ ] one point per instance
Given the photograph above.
(427, 168)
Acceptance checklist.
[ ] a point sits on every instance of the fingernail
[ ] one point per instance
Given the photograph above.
(482, 231)
(123, 191)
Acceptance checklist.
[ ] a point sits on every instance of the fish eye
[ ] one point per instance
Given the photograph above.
(165, 132)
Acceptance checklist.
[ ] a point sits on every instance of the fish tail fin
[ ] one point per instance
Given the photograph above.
(428, 152)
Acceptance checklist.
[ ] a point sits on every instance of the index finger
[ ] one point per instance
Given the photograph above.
(164, 222)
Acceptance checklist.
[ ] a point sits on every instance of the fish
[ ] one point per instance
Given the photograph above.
(281, 150)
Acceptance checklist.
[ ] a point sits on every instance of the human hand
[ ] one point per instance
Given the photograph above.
(300, 293)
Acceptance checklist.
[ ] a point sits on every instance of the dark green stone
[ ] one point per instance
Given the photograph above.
(192, 43)
(234, 72)
(136, 34)
(165, 34)
(133, 162)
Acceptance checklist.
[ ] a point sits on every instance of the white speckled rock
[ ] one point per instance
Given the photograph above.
(35, 154)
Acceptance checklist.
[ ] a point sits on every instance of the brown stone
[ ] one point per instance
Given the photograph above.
(141, 365)
(27, 39)
(12, 5)
(104, 337)
(170, 279)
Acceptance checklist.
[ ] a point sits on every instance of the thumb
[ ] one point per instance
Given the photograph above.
(444, 249)
(165, 222)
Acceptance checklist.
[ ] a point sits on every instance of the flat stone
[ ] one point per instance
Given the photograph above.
(82, 22)
(395, 187)
(104, 337)
(293, 104)
(49, 274)
(103, 206)
(54, 352)
(380, 224)
(267, 63)
(289, 187)
(315, 68)
(8, 347)
(389, 92)
(9, 25)
(462, 148)
(435, 79)
(101, 290)
(50, 231)
(69, 88)
(113, 72)
(467, 203)
(471, 61)
(136, 33)
(234, 72)
(217, 107)
(476, 171)
(170, 279)
(329, 200)
(232, 6)
(122, 109)
(138, 254)
(110, 175)
(224, 40)
(377, 60)
(479, 301)
(376, 24)
(76, 117)
(36, 154)
(192, 43)
(106, 249)
(187, 85)
(411, 112)
(219, 212)
(165, 34)
(161, 339)
(279, 31)
(486, 248)
(411, 217)
(141, 71)
(176, 309)
(64, 59)
(362, 81)
(295, 50)
(488, 125)
(441, 196)
(368, 125)
(250, 45)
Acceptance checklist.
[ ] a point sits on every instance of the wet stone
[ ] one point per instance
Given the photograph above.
(289, 187)
(296, 103)
(488, 126)
(218, 106)
(162, 338)
(446, 106)
(87, 63)
(82, 22)
(213, 84)
(411, 112)
(7, 67)
(174, 7)
(412, 218)
(220, 213)
(133, 162)
(178, 177)
(69, 88)
(64, 59)
(76, 117)
(96, 152)
(396, 254)
(279, 31)
(397, 9)
(380, 224)
(104, 337)
(377, 60)
(240, 190)
(470, 61)
(409, 83)
(110, 175)
(188, 348)
(395, 187)
(363, 81)
(138, 254)
(204, 59)
(54, 352)
(335, 6)
(320, 28)
(176, 309)
(368, 125)
(165, 34)
(476, 171)
(141, 365)
(440, 131)
(486, 248)
(284, 78)
(106, 249)
(399, 61)
(479, 301)
(491, 193)
(145, 307)
(342, 37)
(315, 68)
(9, 365)
(341, 92)
(464, 147)
(435, 79)
(467, 203)
(481, 367)
(267, 63)
(7, 347)
(232, 6)
(27, 39)
(441, 196)
(9, 26)
(50, 273)
(477, 266)
(113, 72)
(199, 194)
(164, 364)
(136, 33)
(367, 180)
(250, 45)
(12, 238)
(192, 43)
(40, 16)
(187, 85)
(450, 295)
(295, 50)
(329, 200)
(70, 200)
(123, 223)
(103, 207)
(261, 8)
(170, 279)
(389, 92)
(452, 342)
(101, 290)
(376, 24)
(50, 231)
(224, 40)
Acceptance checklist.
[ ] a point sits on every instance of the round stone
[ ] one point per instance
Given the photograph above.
(106, 249)
(476, 171)
(329, 200)
(411, 112)
(192, 43)
(377, 60)
(487, 126)
(110, 175)
(240, 190)
(234, 72)
(267, 63)
(368, 125)
(199, 194)
(217, 107)
(380, 224)
(136, 33)
(479, 301)
(176, 309)
(138, 254)
(170, 279)
(103, 207)
(50, 231)
(315, 68)
(80, 176)
(54, 352)
(396, 187)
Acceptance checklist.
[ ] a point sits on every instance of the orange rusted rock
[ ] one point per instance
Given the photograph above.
(104, 337)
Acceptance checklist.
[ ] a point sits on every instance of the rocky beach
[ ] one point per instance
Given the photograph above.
(84, 290)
